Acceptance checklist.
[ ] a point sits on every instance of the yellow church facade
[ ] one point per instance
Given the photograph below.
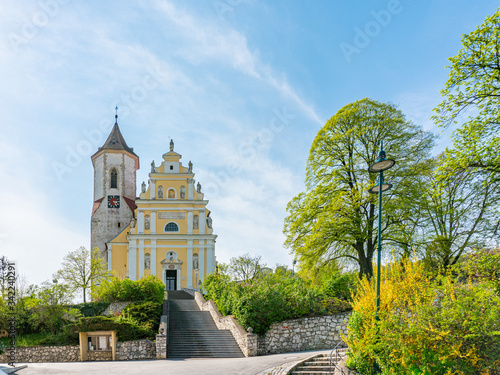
(169, 234)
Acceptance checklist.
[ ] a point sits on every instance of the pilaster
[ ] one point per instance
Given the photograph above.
(152, 189)
(190, 188)
(202, 222)
(153, 222)
(189, 262)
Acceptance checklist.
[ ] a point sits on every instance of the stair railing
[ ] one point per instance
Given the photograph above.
(335, 361)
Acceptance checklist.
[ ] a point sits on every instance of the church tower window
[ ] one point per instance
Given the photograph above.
(171, 227)
(114, 179)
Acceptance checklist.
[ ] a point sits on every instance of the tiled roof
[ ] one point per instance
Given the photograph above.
(116, 141)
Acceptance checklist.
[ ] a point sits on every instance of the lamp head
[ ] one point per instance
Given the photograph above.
(375, 189)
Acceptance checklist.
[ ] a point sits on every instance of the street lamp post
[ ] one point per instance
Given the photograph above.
(379, 167)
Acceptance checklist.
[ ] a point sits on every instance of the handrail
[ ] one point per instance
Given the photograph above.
(337, 358)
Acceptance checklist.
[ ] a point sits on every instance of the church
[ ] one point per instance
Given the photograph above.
(165, 232)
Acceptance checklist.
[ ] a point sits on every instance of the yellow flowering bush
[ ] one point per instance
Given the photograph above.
(427, 325)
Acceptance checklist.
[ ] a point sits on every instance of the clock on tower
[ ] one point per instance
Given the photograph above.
(113, 201)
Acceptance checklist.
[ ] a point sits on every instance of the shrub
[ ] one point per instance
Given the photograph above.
(127, 329)
(147, 313)
(427, 325)
(269, 299)
(91, 308)
(149, 288)
(340, 285)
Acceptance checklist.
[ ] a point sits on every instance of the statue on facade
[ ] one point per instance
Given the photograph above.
(195, 262)
(143, 187)
(183, 192)
(153, 170)
(147, 262)
(198, 188)
(190, 167)
(132, 223)
(147, 222)
(196, 222)
(171, 145)
(160, 191)
(209, 221)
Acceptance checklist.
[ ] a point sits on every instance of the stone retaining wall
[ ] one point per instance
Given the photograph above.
(316, 333)
(137, 349)
(33, 354)
(125, 351)
(100, 355)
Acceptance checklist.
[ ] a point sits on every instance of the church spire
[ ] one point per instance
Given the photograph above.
(115, 139)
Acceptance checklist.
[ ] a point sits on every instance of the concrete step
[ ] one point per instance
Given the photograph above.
(204, 355)
(179, 294)
(315, 368)
(193, 333)
(182, 305)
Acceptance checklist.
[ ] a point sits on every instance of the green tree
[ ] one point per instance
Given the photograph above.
(335, 219)
(81, 269)
(459, 213)
(245, 267)
(473, 91)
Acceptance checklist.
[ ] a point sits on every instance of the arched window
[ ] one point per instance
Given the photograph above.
(114, 179)
(171, 227)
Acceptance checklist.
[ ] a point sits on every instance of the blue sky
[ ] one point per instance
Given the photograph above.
(241, 86)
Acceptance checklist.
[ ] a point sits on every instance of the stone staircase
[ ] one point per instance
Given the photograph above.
(319, 365)
(192, 333)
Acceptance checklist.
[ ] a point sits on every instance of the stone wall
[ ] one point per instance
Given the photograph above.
(161, 346)
(137, 349)
(129, 350)
(247, 341)
(33, 354)
(115, 307)
(316, 333)
(100, 355)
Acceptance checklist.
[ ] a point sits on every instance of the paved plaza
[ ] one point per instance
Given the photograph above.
(216, 366)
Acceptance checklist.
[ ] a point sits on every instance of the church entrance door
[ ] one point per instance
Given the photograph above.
(171, 279)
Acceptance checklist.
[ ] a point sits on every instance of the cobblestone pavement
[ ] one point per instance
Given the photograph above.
(263, 365)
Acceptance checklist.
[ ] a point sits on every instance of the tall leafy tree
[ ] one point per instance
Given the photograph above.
(80, 270)
(335, 219)
(460, 211)
(472, 97)
(245, 267)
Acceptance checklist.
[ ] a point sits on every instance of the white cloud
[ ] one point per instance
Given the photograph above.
(227, 46)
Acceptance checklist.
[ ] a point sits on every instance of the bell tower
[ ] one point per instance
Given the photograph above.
(115, 165)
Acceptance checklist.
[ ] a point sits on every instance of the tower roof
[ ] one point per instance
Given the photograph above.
(116, 141)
